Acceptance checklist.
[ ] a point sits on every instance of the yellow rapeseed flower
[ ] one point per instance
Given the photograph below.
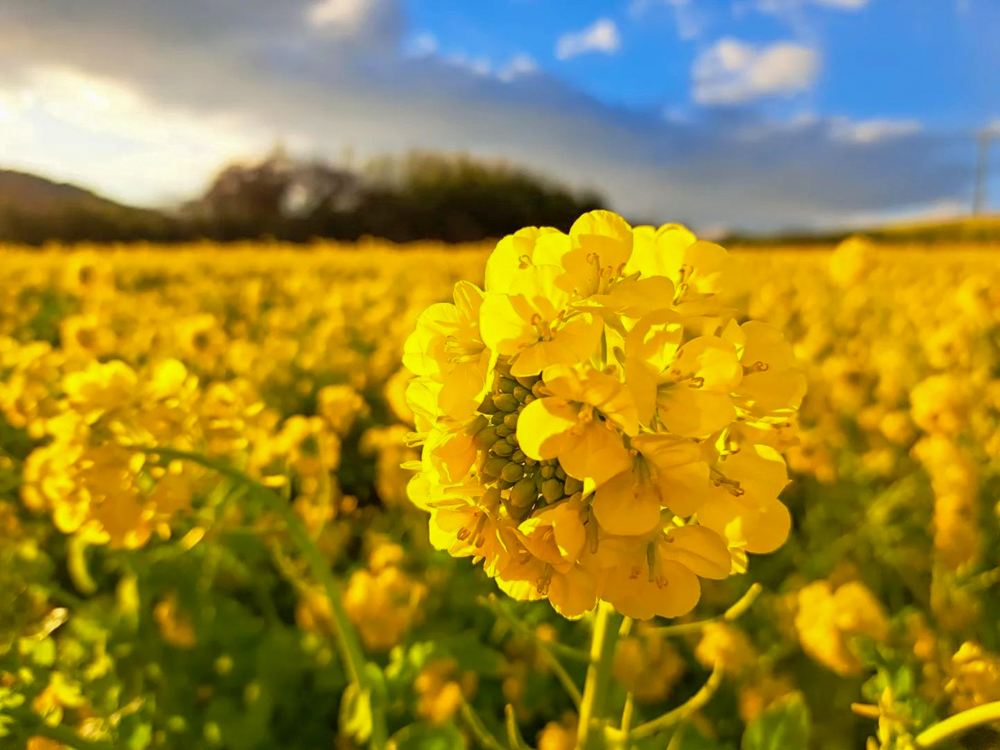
(593, 423)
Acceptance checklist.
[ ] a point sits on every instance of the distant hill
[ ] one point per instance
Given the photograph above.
(34, 210)
(984, 229)
(29, 193)
(418, 196)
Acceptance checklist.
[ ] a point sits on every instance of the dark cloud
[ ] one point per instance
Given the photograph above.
(332, 87)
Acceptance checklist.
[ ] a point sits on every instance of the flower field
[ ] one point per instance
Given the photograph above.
(211, 535)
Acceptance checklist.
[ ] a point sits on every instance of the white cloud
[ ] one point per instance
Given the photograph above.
(169, 91)
(793, 8)
(423, 45)
(690, 22)
(874, 130)
(478, 66)
(519, 65)
(600, 36)
(733, 72)
(57, 113)
(346, 15)
(842, 4)
(356, 21)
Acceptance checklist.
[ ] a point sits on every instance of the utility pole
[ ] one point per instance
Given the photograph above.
(983, 152)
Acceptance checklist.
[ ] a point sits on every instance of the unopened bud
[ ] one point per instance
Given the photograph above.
(552, 489)
(512, 472)
(523, 494)
(486, 437)
(493, 467)
(521, 393)
(506, 402)
(491, 499)
(502, 448)
(506, 385)
(476, 425)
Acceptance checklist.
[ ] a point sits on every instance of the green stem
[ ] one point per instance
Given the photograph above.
(479, 729)
(594, 708)
(35, 727)
(543, 647)
(513, 733)
(503, 612)
(733, 613)
(694, 704)
(76, 561)
(959, 724)
(346, 637)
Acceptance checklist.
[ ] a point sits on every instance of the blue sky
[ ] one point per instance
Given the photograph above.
(937, 61)
(723, 113)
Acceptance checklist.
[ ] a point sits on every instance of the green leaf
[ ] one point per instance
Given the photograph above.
(356, 713)
(427, 737)
(783, 726)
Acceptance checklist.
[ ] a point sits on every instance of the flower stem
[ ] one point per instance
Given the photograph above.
(544, 648)
(733, 613)
(58, 733)
(694, 704)
(482, 734)
(346, 637)
(595, 692)
(959, 724)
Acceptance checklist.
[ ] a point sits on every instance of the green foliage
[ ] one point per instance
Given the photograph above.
(783, 726)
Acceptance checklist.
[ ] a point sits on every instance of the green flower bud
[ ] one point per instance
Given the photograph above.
(528, 399)
(523, 494)
(548, 471)
(520, 393)
(536, 389)
(503, 484)
(502, 448)
(552, 489)
(491, 499)
(527, 380)
(510, 420)
(512, 472)
(476, 425)
(493, 466)
(485, 438)
(497, 419)
(560, 474)
(506, 385)
(530, 461)
(488, 407)
(504, 431)
(572, 485)
(506, 402)
(519, 457)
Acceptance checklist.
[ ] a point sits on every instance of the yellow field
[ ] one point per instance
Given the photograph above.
(151, 601)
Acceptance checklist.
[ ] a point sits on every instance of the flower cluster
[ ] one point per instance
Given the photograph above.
(596, 424)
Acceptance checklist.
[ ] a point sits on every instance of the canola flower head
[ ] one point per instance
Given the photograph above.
(594, 424)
